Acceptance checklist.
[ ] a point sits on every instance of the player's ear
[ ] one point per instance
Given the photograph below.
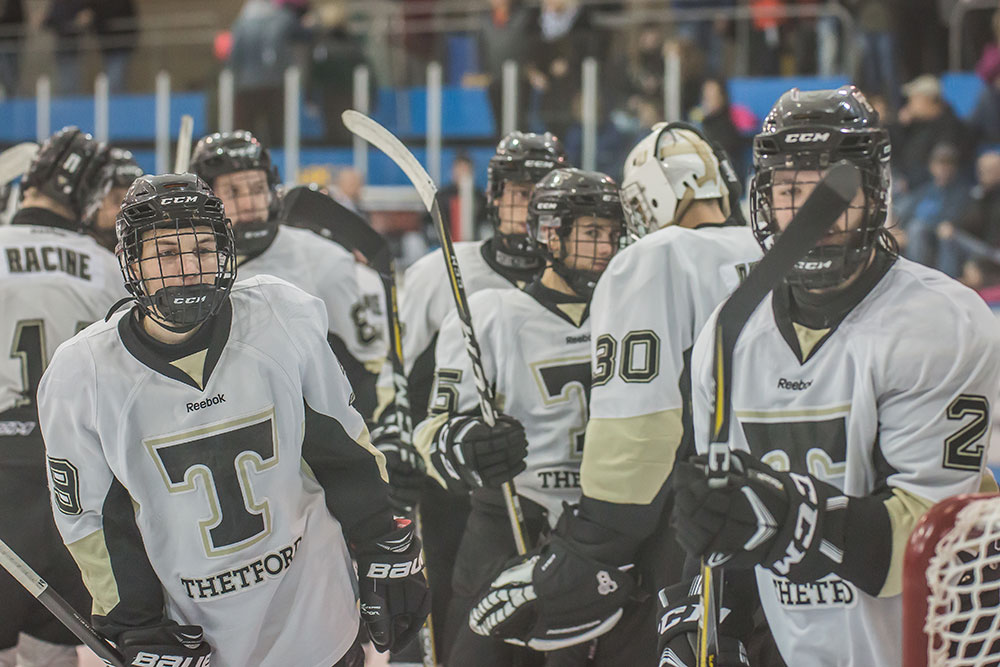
(553, 241)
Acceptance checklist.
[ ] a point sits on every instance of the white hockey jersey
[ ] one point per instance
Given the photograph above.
(327, 271)
(647, 310)
(896, 398)
(426, 298)
(537, 356)
(53, 283)
(220, 462)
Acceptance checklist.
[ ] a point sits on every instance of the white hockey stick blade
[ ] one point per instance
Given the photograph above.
(183, 157)
(15, 161)
(382, 139)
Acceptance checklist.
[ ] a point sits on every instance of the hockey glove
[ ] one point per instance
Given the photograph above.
(395, 600)
(405, 466)
(165, 644)
(680, 609)
(791, 523)
(555, 596)
(469, 454)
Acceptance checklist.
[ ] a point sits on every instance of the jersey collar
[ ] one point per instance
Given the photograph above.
(807, 320)
(569, 307)
(160, 357)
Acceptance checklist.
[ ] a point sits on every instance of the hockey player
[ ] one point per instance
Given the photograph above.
(239, 170)
(503, 261)
(861, 396)
(208, 471)
(535, 347)
(54, 280)
(647, 310)
(117, 174)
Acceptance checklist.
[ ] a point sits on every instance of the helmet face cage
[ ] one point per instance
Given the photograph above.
(790, 158)
(559, 202)
(239, 153)
(522, 158)
(176, 250)
(668, 169)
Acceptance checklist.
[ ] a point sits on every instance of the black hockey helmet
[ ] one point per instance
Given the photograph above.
(178, 204)
(118, 169)
(67, 169)
(559, 199)
(521, 157)
(230, 152)
(809, 131)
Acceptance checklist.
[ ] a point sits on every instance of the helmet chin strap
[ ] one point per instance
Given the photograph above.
(511, 251)
(183, 307)
(581, 282)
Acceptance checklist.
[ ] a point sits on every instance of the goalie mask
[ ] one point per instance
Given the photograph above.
(521, 160)
(67, 170)
(583, 211)
(669, 169)
(175, 249)
(803, 135)
(239, 169)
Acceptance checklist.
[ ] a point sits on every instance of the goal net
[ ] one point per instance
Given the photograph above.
(951, 589)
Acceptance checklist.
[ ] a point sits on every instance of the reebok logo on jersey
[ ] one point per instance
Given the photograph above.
(794, 385)
(206, 403)
(582, 338)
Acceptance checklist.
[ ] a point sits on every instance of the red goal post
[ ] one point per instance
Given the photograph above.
(951, 585)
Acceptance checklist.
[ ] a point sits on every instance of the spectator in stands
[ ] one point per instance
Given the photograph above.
(264, 35)
(765, 39)
(504, 29)
(554, 67)
(976, 232)
(333, 57)
(940, 200)
(113, 23)
(715, 116)
(924, 121)
(346, 189)
(708, 34)
(984, 124)
(877, 60)
(11, 37)
(462, 169)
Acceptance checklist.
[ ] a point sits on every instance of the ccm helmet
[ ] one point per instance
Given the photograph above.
(67, 169)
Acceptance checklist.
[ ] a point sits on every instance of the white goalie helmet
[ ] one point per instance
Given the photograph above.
(671, 167)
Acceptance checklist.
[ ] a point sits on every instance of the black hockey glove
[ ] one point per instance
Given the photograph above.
(791, 523)
(405, 466)
(555, 596)
(679, 610)
(395, 600)
(469, 454)
(165, 644)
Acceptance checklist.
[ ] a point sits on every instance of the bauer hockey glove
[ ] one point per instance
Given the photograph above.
(679, 611)
(395, 600)
(470, 454)
(165, 644)
(789, 522)
(555, 596)
(405, 466)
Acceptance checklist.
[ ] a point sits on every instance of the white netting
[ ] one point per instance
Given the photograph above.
(963, 617)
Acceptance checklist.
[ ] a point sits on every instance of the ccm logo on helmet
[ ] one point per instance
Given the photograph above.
(183, 300)
(813, 266)
(188, 199)
(806, 137)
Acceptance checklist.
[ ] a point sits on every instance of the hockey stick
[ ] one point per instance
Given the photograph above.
(16, 160)
(182, 159)
(305, 207)
(828, 201)
(61, 609)
(369, 130)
